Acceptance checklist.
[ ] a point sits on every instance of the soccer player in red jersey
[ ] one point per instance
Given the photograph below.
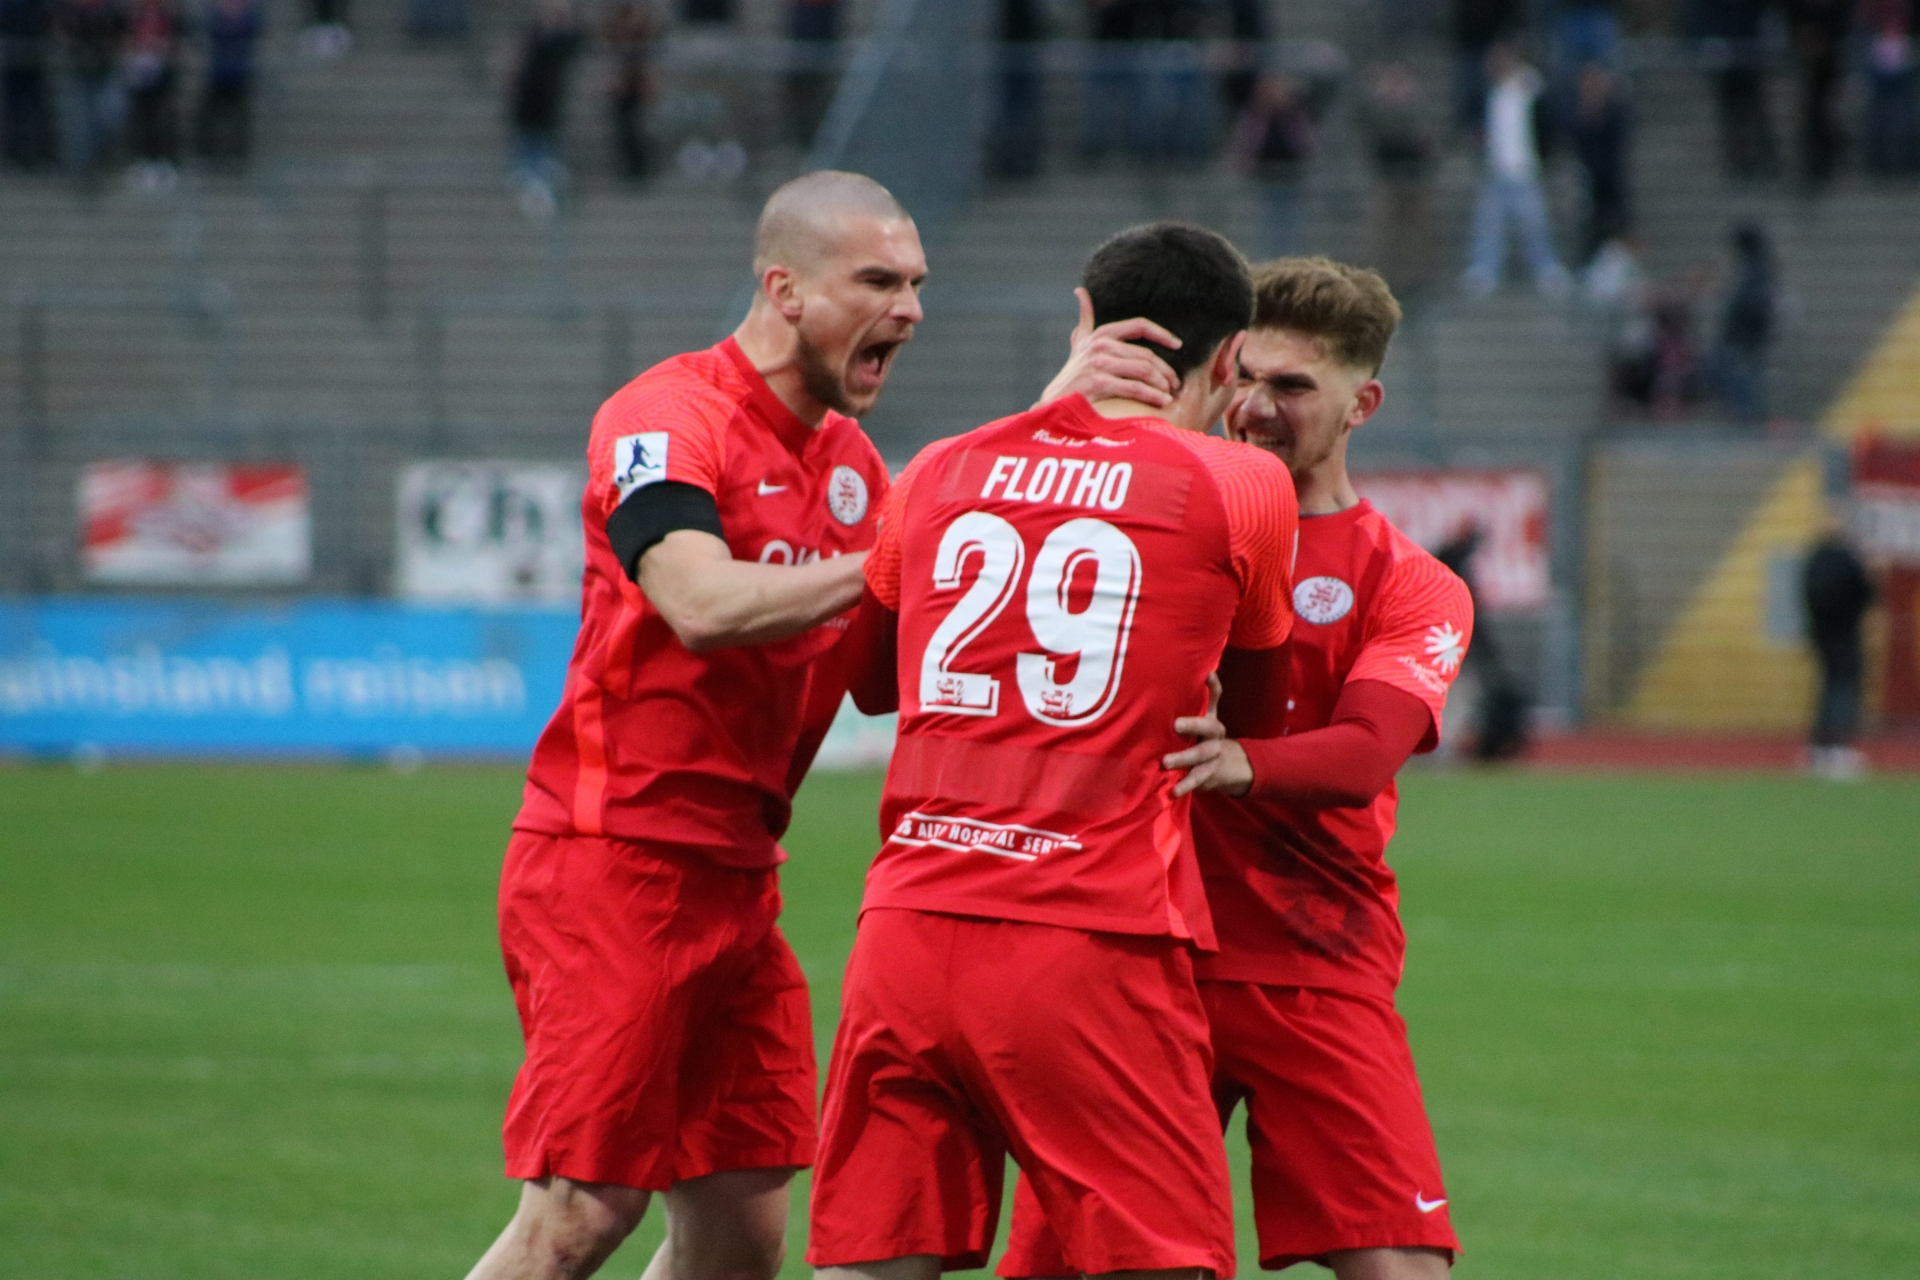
(730, 502)
(1299, 996)
(1056, 587)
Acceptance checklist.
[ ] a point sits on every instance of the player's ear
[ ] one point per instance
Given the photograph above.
(1367, 399)
(1225, 365)
(780, 285)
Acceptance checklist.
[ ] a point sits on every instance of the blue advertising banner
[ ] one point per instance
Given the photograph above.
(307, 677)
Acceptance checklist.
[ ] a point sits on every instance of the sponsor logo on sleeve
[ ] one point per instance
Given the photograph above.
(638, 461)
(847, 495)
(1322, 600)
(1445, 647)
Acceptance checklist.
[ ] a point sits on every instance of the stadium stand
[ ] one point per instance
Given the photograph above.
(369, 292)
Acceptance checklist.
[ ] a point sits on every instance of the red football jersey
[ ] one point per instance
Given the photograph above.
(1304, 897)
(1065, 582)
(654, 742)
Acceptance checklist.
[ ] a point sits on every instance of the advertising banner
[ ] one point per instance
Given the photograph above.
(1886, 521)
(489, 532)
(181, 677)
(171, 524)
(1508, 508)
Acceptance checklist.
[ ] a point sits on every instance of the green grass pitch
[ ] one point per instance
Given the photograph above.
(253, 1023)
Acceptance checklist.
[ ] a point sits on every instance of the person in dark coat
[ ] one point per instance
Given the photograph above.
(1837, 594)
(26, 115)
(1014, 142)
(1600, 128)
(93, 33)
(153, 72)
(629, 30)
(1474, 27)
(233, 29)
(537, 105)
(1732, 48)
(1746, 326)
(1819, 42)
(1891, 29)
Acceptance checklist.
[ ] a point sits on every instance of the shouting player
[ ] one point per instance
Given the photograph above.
(1057, 585)
(730, 500)
(1300, 995)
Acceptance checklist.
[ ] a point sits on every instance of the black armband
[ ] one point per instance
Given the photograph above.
(653, 511)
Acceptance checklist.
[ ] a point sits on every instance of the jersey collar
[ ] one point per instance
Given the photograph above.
(770, 409)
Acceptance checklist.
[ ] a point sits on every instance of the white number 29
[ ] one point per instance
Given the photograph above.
(1096, 636)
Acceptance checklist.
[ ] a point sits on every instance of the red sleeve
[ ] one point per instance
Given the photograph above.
(883, 563)
(1263, 531)
(872, 647)
(663, 428)
(1375, 728)
(1417, 632)
(1253, 691)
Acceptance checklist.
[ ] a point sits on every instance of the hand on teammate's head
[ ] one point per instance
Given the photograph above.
(1111, 362)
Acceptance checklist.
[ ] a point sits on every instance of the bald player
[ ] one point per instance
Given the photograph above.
(730, 502)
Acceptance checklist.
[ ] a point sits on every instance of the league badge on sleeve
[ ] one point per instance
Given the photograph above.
(638, 461)
(847, 495)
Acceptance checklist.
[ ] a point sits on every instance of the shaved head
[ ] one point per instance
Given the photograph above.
(804, 219)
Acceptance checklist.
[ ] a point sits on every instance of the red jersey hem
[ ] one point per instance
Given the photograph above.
(946, 904)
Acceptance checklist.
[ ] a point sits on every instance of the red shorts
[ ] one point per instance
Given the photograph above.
(667, 1027)
(1343, 1156)
(1082, 1054)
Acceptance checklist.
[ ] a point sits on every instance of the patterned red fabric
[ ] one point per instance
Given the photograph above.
(1065, 582)
(1303, 896)
(652, 741)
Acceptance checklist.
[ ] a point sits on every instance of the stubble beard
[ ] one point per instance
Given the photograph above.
(818, 377)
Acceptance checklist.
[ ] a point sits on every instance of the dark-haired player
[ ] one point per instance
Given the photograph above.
(731, 498)
(1299, 996)
(1057, 585)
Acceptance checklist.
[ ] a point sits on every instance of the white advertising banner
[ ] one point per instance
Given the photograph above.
(180, 524)
(490, 532)
(1508, 507)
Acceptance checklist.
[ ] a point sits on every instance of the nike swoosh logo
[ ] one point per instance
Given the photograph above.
(1425, 1205)
(766, 488)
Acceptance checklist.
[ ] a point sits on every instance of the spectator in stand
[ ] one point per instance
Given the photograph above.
(1476, 26)
(1248, 29)
(1395, 115)
(93, 33)
(548, 48)
(1272, 143)
(326, 35)
(706, 13)
(1600, 129)
(813, 25)
(1747, 321)
(1013, 147)
(1893, 87)
(1732, 48)
(26, 122)
(1179, 121)
(1820, 30)
(225, 126)
(629, 30)
(1510, 191)
(1837, 594)
(154, 31)
(1112, 115)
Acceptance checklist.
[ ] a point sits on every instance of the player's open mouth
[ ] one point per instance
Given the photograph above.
(870, 363)
(1271, 441)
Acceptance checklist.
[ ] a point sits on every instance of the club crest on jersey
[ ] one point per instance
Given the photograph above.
(1322, 600)
(847, 495)
(1446, 646)
(638, 461)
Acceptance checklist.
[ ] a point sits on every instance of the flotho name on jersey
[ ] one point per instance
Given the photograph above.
(639, 460)
(1071, 482)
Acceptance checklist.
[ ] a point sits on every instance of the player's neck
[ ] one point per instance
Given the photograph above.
(1189, 411)
(770, 346)
(1326, 489)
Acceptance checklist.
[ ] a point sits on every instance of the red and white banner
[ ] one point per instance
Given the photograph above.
(1508, 508)
(194, 524)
